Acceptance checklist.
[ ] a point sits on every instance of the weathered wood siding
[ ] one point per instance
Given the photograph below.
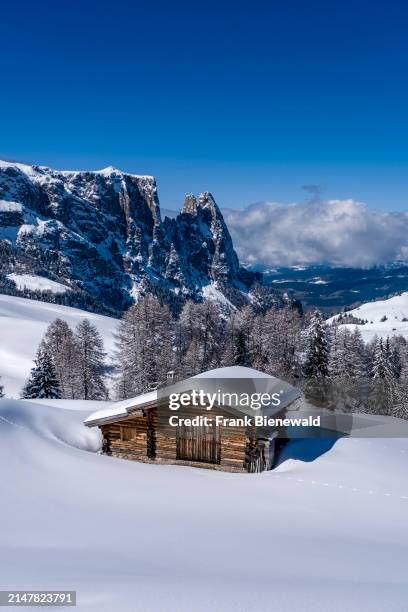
(151, 438)
(199, 443)
(127, 438)
(231, 440)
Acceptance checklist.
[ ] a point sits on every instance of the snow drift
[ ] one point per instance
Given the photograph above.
(326, 530)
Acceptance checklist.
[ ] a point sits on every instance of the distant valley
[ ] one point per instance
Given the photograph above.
(333, 289)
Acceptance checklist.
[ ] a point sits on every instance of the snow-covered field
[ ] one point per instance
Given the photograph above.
(37, 283)
(22, 326)
(395, 309)
(325, 531)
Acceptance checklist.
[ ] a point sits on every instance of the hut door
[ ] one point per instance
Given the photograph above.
(198, 443)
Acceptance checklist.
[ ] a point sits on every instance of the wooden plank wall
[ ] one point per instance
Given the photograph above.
(127, 438)
(232, 439)
(152, 437)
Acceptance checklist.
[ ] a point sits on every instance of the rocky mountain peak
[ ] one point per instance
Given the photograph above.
(101, 234)
(190, 205)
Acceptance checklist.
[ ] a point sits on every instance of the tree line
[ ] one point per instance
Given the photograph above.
(343, 372)
(69, 364)
(331, 363)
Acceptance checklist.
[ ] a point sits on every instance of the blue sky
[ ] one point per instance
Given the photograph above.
(250, 100)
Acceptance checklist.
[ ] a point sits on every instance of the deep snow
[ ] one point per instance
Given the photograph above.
(326, 531)
(22, 325)
(395, 310)
(37, 283)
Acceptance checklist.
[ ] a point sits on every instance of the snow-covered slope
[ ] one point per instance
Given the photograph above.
(325, 531)
(395, 310)
(22, 326)
(37, 283)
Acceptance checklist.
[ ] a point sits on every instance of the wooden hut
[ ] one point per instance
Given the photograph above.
(145, 428)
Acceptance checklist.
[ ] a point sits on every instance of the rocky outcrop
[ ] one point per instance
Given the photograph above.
(102, 233)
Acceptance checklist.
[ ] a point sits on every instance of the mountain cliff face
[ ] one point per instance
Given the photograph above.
(101, 233)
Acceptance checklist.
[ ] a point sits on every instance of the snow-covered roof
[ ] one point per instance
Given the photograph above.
(233, 372)
(120, 409)
(274, 385)
(258, 382)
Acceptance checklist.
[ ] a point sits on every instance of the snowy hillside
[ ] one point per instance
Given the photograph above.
(37, 283)
(324, 531)
(22, 326)
(394, 310)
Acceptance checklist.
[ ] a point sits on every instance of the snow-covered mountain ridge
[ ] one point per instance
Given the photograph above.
(102, 233)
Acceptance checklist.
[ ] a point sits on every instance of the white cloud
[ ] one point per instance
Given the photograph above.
(337, 232)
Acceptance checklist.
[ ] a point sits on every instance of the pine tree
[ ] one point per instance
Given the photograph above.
(395, 359)
(192, 359)
(173, 268)
(258, 352)
(241, 355)
(59, 343)
(337, 355)
(144, 341)
(401, 406)
(244, 321)
(357, 357)
(1, 389)
(156, 252)
(135, 248)
(316, 365)
(383, 388)
(235, 341)
(281, 331)
(202, 324)
(338, 368)
(348, 369)
(382, 365)
(42, 382)
(90, 362)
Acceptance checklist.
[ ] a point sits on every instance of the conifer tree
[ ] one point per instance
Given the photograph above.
(1, 389)
(144, 341)
(348, 369)
(357, 364)
(42, 382)
(203, 324)
(59, 343)
(237, 338)
(383, 387)
(316, 365)
(90, 362)
(192, 359)
(382, 365)
(173, 268)
(244, 321)
(240, 352)
(401, 406)
(281, 329)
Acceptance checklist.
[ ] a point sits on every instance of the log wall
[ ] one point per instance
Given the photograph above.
(151, 438)
(127, 438)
